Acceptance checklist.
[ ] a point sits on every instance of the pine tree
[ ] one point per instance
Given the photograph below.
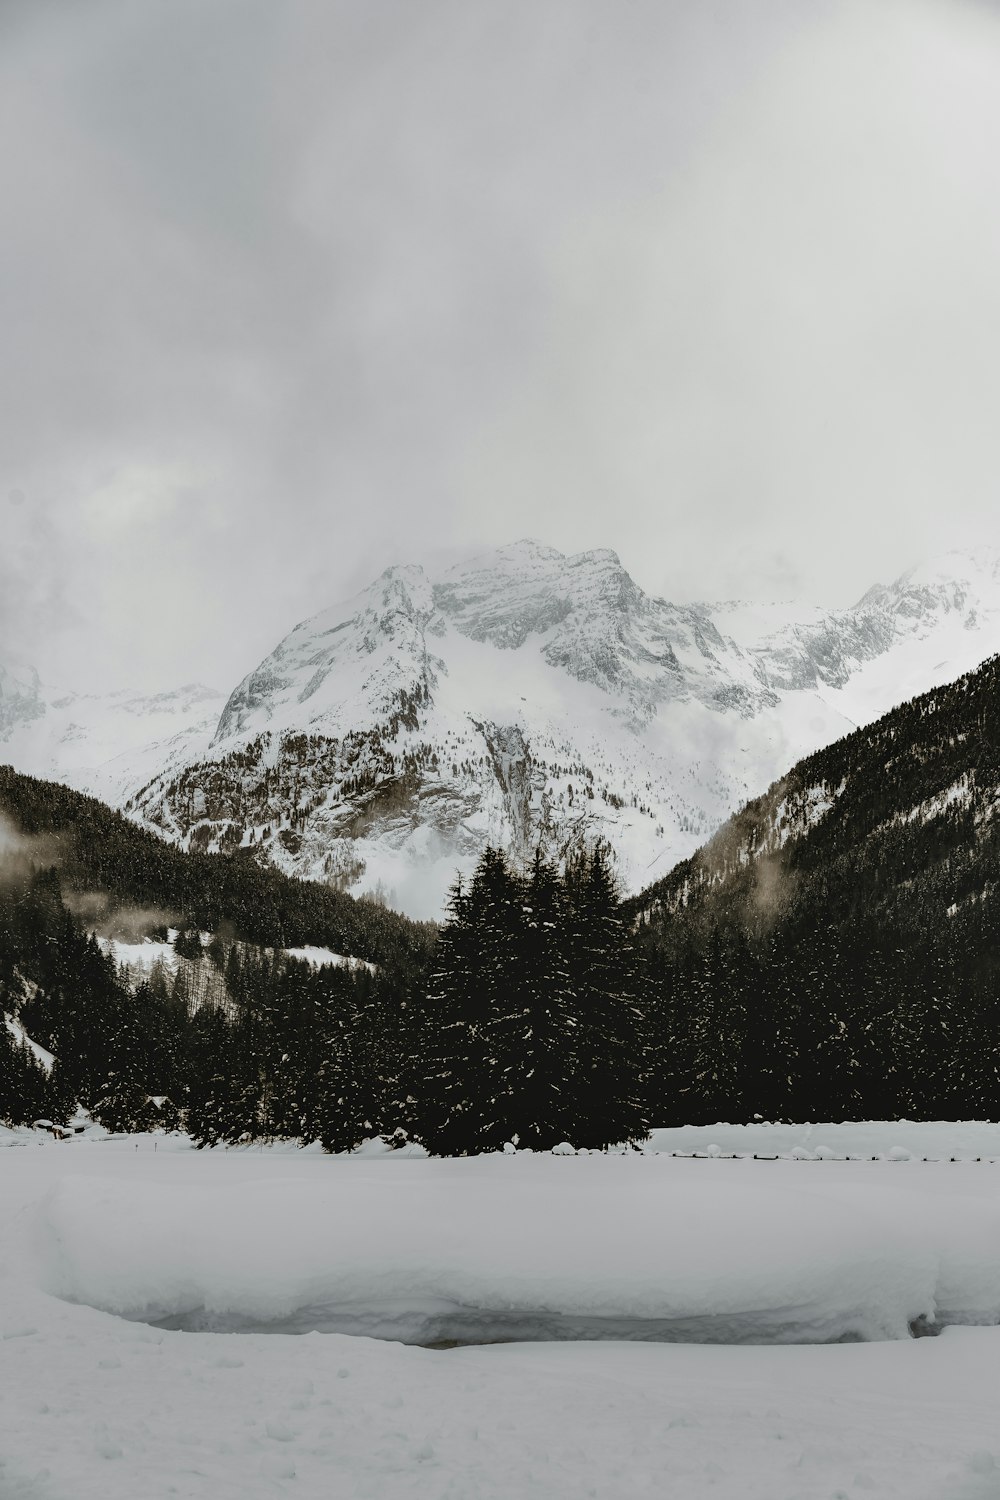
(455, 1048)
(224, 1095)
(347, 1110)
(535, 1030)
(534, 1042)
(609, 1062)
(120, 1101)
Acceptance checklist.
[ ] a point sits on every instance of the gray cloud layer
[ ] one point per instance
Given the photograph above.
(293, 292)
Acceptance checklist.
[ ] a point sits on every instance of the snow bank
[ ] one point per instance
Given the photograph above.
(963, 1140)
(503, 1248)
(98, 1409)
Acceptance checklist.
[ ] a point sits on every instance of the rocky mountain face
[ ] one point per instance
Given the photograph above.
(933, 623)
(525, 698)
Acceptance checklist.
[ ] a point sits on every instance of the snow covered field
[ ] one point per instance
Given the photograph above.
(758, 1254)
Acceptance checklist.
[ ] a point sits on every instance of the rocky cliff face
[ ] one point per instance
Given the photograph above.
(527, 699)
(587, 617)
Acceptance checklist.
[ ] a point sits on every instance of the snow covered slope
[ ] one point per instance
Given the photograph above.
(94, 741)
(934, 623)
(523, 698)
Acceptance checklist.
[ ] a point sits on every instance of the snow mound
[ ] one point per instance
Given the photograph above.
(508, 1248)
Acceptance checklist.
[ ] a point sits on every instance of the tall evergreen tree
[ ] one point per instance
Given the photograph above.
(534, 1040)
(609, 1064)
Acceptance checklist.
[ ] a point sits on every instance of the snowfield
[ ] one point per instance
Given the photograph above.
(706, 1291)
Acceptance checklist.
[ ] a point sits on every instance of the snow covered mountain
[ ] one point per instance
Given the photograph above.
(528, 697)
(931, 625)
(523, 698)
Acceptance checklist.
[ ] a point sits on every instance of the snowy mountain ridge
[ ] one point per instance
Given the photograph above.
(84, 739)
(525, 697)
(583, 614)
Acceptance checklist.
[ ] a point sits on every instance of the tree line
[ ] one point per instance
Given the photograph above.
(525, 1027)
(541, 1018)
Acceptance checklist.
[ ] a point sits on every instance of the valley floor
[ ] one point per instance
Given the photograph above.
(96, 1404)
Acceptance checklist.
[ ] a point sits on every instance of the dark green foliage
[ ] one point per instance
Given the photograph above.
(188, 943)
(291, 1051)
(536, 1036)
(533, 1023)
(607, 980)
(27, 1091)
(467, 993)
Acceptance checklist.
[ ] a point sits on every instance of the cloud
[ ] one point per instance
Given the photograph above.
(21, 853)
(292, 293)
(784, 363)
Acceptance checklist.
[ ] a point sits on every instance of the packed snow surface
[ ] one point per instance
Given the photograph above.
(143, 955)
(94, 1405)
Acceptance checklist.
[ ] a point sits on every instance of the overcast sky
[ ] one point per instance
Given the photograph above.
(290, 292)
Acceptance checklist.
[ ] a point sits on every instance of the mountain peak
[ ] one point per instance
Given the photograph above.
(527, 547)
(596, 557)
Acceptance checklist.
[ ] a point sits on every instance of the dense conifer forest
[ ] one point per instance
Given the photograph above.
(101, 854)
(832, 953)
(70, 865)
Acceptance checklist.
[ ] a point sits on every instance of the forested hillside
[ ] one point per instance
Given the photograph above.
(521, 1024)
(102, 856)
(234, 1068)
(833, 951)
